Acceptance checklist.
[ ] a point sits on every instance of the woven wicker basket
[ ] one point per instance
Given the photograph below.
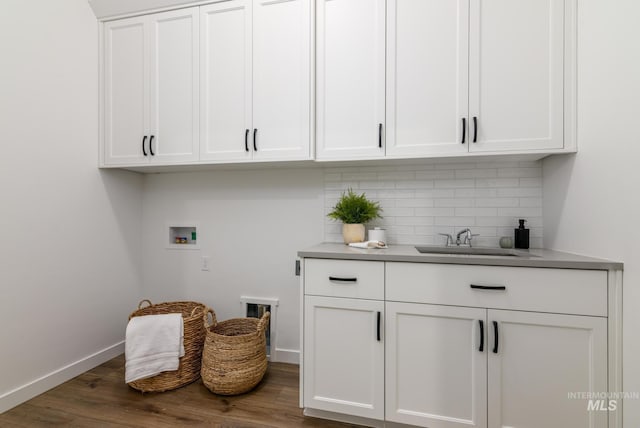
(234, 359)
(194, 332)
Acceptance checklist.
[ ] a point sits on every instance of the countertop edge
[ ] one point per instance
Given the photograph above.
(466, 260)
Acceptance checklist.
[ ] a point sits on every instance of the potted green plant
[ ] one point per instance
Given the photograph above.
(354, 210)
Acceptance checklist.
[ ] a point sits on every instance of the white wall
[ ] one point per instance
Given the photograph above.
(70, 250)
(252, 224)
(591, 200)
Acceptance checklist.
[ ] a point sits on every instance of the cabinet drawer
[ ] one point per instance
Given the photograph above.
(344, 278)
(580, 292)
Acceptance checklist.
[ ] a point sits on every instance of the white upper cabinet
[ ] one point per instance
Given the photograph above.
(427, 76)
(225, 75)
(350, 90)
(126, 91)
(256, 79)
(174, 94)
(151, 89)
(516, 74)
(282, 79)
(461, 76)
(233, 81)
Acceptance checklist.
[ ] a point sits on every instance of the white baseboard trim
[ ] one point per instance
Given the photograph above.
(36, 387)
(291, 356)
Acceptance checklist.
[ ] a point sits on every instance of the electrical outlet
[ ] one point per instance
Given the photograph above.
(204, 263)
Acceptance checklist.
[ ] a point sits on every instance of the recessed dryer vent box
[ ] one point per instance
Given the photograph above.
(182, 236)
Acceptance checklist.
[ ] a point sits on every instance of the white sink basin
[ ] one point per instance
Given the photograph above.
(478, 251)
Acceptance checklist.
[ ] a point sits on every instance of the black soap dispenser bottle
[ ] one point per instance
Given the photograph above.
(521, 236)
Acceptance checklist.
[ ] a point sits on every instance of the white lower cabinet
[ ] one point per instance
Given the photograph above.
(344, 356)
(436, 372)
(447, 365)
(536, 361)
(459, 346)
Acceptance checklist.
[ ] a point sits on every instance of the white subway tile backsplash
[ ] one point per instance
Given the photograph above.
(476, 173)
(420, 201)
(448, 184)
(497, 182)
(519, 172)
(440, 211)
(432, 175)
(497, 202)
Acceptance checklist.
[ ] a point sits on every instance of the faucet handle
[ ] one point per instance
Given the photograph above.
(449, 238)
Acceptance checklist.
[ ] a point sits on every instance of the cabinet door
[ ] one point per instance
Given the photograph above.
(344, 356)
(126, 91)
(436, 372)
(350, 79)
(427, 77)
(174, 94)
(539, 360)
(516, 74)
(281, 79)
(225, 76)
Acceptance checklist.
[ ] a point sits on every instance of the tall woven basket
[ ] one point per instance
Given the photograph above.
(234, 359)
(194, 333)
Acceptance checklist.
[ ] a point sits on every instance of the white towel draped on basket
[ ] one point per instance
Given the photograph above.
(154, 344)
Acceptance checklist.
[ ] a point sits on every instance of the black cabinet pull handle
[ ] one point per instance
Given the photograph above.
(488, 287)
(151, 146)
(337, 278)
(246, 140)
(378, 327)
(475, 129)
(481, 348)
(464, 129)
(255, 147)
(495, 334)
(144, 140)
(380, 135)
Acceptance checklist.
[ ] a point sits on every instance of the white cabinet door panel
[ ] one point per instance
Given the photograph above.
(174, 85)
(540, 359)
(436, 373)
(281, 79)
(225, 64)
(516, 74)
(343, 358)
(126, 90)
(427, 76)
(350, 78)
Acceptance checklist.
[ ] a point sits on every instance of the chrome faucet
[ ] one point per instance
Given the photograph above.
(468, 236)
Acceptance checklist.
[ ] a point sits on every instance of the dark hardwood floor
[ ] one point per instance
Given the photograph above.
(100, 398)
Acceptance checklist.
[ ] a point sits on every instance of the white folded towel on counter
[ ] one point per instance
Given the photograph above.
(368, 244)
(154, 344)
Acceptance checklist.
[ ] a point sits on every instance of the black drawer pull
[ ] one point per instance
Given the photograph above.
(151, 146)
(475, 129)
(246, 140)
(255, 146)
(481, 348)
(380, 135)
(378, 327)
(488, 287)
(464, 129)
(495, 333)
(336, 278)
(144, 140)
